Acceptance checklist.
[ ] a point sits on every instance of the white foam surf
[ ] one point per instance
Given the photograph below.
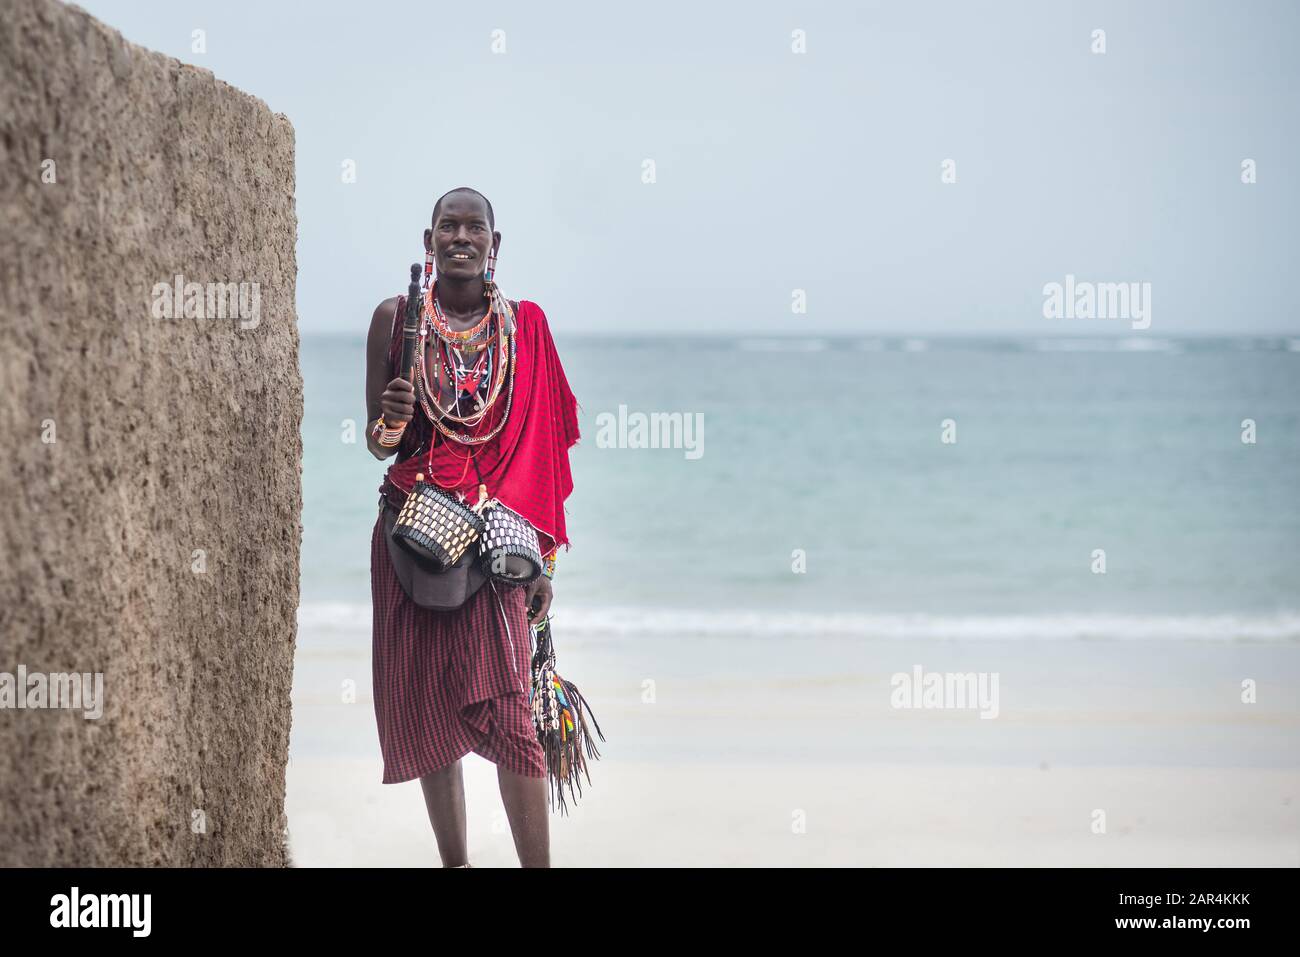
(354, 620)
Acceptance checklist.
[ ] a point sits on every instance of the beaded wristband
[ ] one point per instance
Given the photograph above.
(385, 436)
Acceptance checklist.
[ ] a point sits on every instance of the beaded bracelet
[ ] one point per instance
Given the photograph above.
(385, 436)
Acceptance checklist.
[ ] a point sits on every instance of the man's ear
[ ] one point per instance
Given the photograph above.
(428, 240)
(496, 242)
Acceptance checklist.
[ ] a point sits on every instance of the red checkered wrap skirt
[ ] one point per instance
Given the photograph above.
(450, 682)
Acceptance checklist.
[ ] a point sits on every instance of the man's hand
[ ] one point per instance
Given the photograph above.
(398, 402)
(541, 587)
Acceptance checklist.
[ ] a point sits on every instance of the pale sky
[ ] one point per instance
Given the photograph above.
(779, 171)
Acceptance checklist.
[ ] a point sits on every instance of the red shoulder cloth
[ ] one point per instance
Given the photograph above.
(526, 466)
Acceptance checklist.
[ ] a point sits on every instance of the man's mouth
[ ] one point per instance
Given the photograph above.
(460, 255)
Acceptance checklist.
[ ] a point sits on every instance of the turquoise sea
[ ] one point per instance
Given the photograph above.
(828, 455)
(970, 556)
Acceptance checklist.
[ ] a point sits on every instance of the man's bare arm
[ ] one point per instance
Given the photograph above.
(394, 399)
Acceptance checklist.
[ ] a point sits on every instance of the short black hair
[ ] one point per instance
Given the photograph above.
(492, 220)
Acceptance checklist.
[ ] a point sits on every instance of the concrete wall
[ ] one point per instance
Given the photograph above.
(150, 501)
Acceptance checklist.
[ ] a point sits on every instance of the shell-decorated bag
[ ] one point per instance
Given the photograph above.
(435, 526)
(508, 548)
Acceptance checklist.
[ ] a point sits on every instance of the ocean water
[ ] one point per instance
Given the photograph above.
(825, 502)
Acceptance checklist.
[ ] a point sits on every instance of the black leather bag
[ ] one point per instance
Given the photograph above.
(422, 582)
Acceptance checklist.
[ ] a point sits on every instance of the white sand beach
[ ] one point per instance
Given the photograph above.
(813, 766)
(884, 816)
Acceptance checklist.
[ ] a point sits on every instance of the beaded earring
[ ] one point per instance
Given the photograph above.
(428, 266)
(491, 268)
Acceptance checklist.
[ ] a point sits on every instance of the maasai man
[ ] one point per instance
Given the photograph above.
(450, 682)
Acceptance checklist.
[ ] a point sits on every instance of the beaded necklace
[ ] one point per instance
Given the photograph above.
(432, 324)
(484, 403)
(505, 348)
(443, 327)
(422, 390)
(466, 379)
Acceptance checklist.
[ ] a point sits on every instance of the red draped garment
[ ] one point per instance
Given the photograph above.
(526, 466)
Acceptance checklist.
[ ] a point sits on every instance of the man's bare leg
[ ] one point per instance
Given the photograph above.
(525, 802)
(444, 796)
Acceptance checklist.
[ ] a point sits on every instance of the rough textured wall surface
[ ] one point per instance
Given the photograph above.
(151, 498)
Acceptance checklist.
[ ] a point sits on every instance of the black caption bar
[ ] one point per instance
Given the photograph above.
(135, 907)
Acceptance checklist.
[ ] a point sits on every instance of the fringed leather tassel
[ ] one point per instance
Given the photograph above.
(560, 715)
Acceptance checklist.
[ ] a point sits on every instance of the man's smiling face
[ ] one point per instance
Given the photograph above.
(462, 236)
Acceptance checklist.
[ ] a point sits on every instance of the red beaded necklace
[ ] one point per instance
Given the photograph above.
(435, 317)
(463, 380)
